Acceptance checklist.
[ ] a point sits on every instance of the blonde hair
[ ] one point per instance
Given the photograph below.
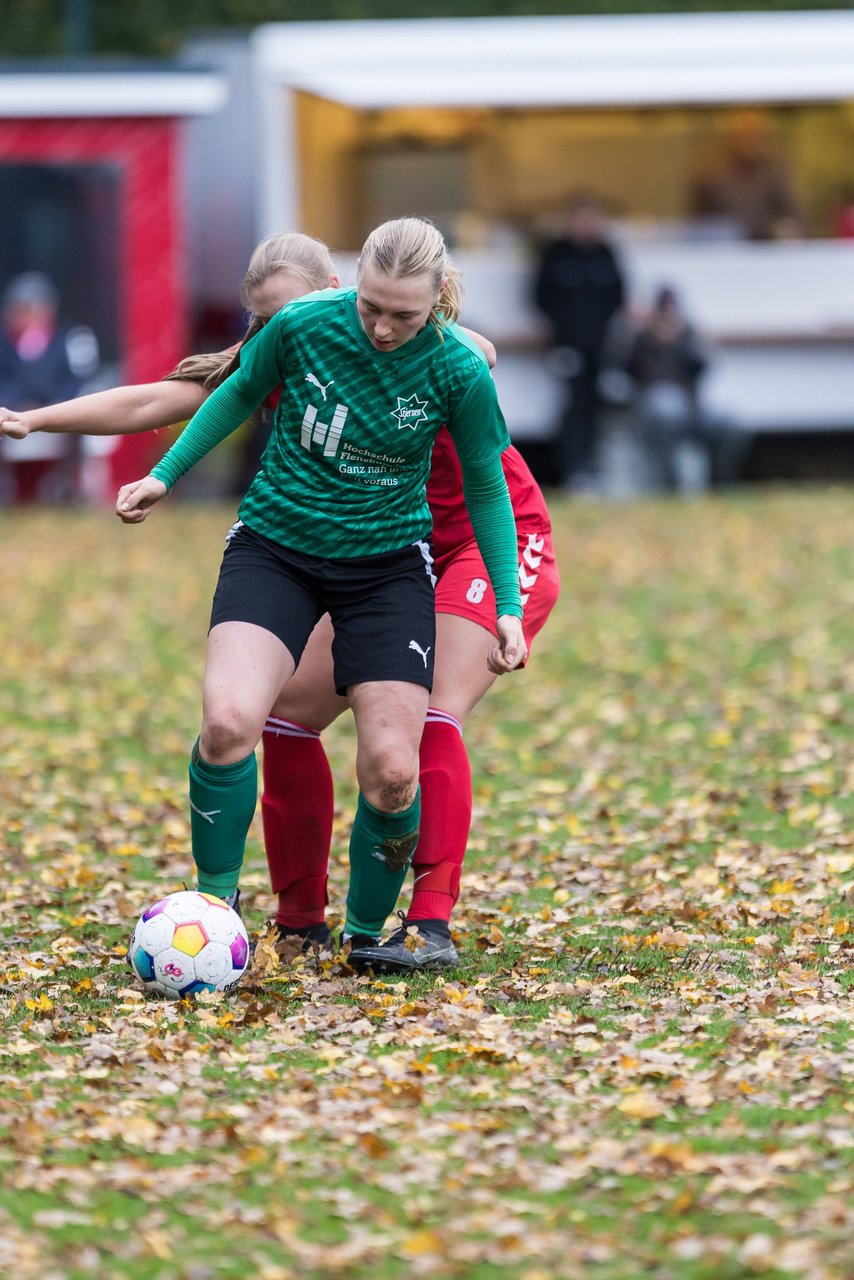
(406, 247)
(291, 251)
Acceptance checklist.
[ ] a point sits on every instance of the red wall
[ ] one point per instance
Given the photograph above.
(152, 290)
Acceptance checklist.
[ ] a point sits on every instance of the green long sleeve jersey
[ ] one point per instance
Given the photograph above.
(345, 472)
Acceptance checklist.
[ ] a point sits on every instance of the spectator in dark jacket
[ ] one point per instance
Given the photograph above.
(687, 446)
(579, 287)
(38, 366)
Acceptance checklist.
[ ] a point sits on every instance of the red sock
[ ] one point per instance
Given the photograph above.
(296, 807)
(445, 818)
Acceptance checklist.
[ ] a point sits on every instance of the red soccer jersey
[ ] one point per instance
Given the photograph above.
(451, 524)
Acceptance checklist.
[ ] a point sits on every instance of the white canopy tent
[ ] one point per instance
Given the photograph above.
(584, 61)
(613, 61)
(742, 294)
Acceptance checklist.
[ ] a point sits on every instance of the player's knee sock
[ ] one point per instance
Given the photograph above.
(446, 818)
(222, 802)
(381, 847)
(297, 806)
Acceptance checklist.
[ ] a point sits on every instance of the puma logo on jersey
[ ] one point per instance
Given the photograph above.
(413, 644)
(321, 386)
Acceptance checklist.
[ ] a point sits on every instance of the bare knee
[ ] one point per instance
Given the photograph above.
(387, 785)
(397, 792)
(389, 723)
(227, 735)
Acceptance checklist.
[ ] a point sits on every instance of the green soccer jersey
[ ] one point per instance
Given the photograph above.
(344, 474)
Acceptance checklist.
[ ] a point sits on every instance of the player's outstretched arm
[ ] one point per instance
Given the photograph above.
(118, 411)
(15, 425)
(136, 499)
(511, 649)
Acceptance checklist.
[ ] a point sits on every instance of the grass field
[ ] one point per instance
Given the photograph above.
(641, 1068)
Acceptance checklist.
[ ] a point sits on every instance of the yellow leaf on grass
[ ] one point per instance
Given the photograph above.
(42, 1004)
(677, 1154)
(640, 1104)
(421, 1243)
(266, 961)
(373, 1145)
(157, 1243)
(63, 943)
(675, 938)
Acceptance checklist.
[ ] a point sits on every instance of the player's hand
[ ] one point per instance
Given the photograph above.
(135, 500)
(511, 648)
(14, 425)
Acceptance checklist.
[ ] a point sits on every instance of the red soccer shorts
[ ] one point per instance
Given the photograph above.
(463, 587)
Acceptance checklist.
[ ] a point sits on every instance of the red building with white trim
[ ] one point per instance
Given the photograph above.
(91, 192)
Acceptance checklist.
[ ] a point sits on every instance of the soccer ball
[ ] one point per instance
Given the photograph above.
(189, 942)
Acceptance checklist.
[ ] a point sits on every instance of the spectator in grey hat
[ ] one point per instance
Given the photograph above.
(30, 289)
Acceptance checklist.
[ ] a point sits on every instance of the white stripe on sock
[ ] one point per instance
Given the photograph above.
(287, 728)
(435, 716)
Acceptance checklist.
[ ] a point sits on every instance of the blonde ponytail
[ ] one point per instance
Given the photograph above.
(291, 251)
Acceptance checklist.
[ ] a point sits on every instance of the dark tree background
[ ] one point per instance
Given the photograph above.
(157, 28)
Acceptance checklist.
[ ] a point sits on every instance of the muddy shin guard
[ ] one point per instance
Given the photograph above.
(222, 804)
(381, 849)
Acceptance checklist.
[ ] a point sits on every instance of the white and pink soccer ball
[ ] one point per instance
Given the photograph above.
(189, 942)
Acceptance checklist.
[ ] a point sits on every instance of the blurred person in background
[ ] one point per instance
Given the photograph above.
(41, 362)
(842, 224)
(687, 448)
(746, 185)
(579, 288)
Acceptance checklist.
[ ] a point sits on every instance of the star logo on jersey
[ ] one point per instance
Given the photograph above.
(410, 411)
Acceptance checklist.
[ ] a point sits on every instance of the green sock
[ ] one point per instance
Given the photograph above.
(381, 849)
(222, 804)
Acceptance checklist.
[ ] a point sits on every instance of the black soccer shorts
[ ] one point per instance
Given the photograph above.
(382, 607)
